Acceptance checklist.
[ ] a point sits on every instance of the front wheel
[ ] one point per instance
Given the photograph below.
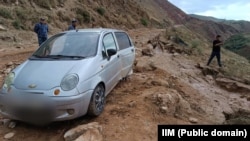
(97, 102)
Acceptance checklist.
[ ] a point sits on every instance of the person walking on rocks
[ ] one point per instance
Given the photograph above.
(41, 30)
(216, 51)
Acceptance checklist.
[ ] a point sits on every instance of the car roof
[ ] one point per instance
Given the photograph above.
(98, 30)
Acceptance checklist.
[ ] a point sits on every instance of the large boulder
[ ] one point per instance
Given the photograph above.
(232, 85)
(85, 132)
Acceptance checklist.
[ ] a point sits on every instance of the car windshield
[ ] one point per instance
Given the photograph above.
(69, 45)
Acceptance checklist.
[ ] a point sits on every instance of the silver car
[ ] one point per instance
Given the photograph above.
(68, 76)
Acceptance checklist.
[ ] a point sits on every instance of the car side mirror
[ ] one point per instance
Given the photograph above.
(111, 52)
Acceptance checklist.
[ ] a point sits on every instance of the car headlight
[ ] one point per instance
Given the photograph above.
(8, 80)
(69, 82)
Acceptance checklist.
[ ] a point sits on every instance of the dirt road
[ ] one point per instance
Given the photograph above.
(165, 88)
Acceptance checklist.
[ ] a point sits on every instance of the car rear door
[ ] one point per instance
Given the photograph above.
(127, 52)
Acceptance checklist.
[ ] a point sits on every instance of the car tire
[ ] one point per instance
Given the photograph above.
(97, 102)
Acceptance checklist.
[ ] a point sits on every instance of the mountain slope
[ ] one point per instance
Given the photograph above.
(241, 25)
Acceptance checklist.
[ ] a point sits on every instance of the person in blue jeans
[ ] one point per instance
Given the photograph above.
(216, 51)
(41, 30)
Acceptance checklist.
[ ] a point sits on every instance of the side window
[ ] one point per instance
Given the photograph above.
(123, 40)
(108, 42)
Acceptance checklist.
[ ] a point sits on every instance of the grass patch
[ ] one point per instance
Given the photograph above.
(83, 16)
(17, 24)
(196, 46)
(47, 4)
(5, 13)
(144, 22)
(100, 10)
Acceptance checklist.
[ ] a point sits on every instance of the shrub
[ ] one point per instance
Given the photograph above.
(46, 3)
(5, 13)
(83, 15)
(100, 10)
(17, 24)
(144, 22)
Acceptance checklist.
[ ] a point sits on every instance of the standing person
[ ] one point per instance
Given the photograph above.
(216, 50)
(41, 30)
(73, 25)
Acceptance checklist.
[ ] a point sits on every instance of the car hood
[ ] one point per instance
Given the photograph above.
(45, 75)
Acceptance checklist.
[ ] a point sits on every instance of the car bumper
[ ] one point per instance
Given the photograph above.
(40, 108)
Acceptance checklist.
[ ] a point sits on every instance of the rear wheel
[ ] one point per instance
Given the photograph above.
(97, 102)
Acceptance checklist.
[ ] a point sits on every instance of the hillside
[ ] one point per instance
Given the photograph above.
(242, 26)
(170, 83)
(239, 44)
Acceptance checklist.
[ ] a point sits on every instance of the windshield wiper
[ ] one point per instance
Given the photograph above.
(37, 56)
(64, 56)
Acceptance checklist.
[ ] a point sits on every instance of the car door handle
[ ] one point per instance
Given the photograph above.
(132, 50)
(118, 56)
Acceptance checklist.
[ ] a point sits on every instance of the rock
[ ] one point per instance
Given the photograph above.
(12, 124)
(159, 83)
(92, 130)
(9, 135)
(164, 109)
(2, 28)
(132, 104)
(90, 135)
(175, 54)
(172, 103)
(210, 79)
(9, 64)
(193, 120)
(148, 51)
(16, 3)
(7, 71)
(6, 122)
(232, 85)
(210, 71)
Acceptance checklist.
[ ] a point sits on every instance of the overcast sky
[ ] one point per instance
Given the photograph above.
(223, 9)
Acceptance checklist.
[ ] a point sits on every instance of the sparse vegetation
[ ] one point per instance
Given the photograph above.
(17, 24)
(48, 4)
(21, 14)
(4, 12)
(196, 46)
(239, 44)
(236, 42)
(100, 10)
(83, 16)
(62, 16)
(144, 22)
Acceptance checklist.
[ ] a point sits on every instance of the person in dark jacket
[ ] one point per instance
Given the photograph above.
(216, 50)
(41, 30)
(73, 25)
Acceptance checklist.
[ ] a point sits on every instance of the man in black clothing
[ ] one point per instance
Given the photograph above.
(216, 50)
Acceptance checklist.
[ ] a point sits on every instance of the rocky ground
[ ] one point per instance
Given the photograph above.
(168, 87)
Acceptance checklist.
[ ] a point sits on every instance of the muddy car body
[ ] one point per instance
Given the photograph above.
(68, 76)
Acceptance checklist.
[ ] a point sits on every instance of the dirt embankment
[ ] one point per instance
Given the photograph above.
(167, 87)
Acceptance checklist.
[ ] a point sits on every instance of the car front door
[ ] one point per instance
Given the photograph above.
(111, 61)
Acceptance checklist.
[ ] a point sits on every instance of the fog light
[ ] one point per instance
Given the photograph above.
(57, 92)
(71, 111)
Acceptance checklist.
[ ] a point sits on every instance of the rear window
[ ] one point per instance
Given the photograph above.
(123, 40)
